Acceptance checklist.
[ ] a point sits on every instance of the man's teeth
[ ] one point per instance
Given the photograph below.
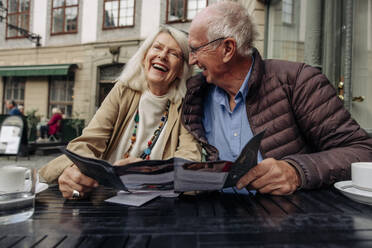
(160, 67)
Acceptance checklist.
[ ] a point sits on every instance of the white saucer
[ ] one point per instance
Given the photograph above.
(361, 196)
(40, 187)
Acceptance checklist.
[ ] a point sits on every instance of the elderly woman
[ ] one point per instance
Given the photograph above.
(140, 117)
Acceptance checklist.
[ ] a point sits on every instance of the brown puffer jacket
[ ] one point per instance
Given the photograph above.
(306, 123)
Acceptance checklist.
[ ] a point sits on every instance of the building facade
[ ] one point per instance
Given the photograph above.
(85, 44)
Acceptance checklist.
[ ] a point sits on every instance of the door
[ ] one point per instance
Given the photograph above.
(361, 73)
(108, 74)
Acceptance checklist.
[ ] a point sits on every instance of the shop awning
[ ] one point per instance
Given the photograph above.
(36, 70)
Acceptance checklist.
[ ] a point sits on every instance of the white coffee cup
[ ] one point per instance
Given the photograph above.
(12, 178)
(361, 175)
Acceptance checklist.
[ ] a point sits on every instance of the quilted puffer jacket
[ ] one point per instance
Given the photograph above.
(306, 123)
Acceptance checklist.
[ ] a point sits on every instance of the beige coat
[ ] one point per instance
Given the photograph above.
(101, 137)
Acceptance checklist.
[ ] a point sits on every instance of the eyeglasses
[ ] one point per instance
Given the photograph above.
(193, 50)
(170, 53)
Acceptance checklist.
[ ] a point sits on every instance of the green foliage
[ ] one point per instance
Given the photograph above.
(76, 123)
(32, 121)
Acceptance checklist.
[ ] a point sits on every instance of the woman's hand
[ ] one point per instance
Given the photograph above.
(125, 161)
(72, 179)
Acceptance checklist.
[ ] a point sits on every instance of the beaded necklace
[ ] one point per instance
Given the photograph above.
(150, 144)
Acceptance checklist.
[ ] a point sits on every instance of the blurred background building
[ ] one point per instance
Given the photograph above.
(67, 53)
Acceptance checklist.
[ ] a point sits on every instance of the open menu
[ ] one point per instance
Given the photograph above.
(176, 173)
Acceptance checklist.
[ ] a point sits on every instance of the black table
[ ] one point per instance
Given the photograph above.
(321, 218)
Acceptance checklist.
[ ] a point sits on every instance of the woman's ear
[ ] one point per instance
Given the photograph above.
(229, 49)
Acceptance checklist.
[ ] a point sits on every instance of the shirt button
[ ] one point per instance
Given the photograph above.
(235, 134)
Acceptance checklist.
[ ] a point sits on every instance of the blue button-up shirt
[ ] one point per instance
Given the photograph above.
(229, 131)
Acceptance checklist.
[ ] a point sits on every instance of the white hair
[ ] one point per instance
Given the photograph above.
(56, 110)
(133, 75)
(231, 19)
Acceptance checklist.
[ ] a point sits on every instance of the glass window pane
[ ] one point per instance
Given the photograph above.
(12, 19)
(24, 5)
(131, 3)
(194, 6)
(111, 14)
(71, 2)
(123, 4)
(58, 3)
(12, 6)
(202, 4)
(191, 14)
(57, 21)
(175, 11)
(23, 21)
(71, 19)
(287, 41)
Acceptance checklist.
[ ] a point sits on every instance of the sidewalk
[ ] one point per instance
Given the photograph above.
(36, 161)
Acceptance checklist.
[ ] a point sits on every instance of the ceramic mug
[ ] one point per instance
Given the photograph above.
(12, 178)
(361, 175)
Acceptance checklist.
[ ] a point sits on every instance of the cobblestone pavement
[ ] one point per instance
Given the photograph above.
(35, 161)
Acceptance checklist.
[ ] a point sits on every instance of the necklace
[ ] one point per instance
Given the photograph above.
(151, 142)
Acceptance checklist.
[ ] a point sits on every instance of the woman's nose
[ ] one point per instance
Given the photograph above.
(163, 54)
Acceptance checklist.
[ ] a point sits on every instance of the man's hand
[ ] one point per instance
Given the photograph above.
(72, 179)
(271, 176)
(125, 161)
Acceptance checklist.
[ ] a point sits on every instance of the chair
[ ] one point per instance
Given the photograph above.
(13, 137)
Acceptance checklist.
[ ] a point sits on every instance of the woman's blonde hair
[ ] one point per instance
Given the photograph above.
(133, 75)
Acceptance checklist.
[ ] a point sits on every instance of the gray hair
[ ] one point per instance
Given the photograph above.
(231, 19)
(133, 75)
(56, 110)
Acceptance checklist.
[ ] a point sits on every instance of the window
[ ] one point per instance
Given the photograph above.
(118, 13)
(287, 12)
(286, 41)
(61, 93)
(19, 16)
(65, 16)
(14, 90)
(184, 10)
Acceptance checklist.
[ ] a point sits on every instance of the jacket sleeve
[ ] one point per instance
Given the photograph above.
(188, 147)
(336, 139)
(94, 139)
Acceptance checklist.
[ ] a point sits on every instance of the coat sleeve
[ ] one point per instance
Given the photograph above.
(188, 147)
(335, 138)
(94, 139)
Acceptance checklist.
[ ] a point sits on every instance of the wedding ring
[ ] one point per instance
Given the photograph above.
(75, 194)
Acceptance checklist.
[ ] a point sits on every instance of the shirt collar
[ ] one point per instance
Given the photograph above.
(244, 88)
(220, 94)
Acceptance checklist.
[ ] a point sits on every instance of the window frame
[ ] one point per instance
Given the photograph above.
(118, 27)
(64, 7)
(185, 9)
(18, 13)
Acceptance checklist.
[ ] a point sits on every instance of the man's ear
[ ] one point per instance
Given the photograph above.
(229, 49)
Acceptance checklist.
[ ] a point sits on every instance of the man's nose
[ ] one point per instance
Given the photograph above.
(192, 59)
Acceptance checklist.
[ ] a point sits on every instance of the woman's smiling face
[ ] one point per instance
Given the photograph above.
(162, 63)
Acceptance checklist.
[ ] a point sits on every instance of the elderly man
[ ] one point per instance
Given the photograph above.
(310, 139)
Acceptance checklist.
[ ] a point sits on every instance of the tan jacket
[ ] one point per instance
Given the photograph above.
(101, 137)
